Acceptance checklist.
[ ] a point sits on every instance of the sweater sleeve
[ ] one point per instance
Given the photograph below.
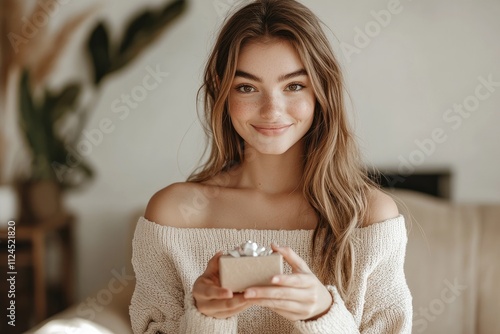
(387, 299)
(159, 303)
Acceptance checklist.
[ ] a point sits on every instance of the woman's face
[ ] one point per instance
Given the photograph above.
(271, 102)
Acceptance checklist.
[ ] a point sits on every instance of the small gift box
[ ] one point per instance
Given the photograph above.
(249, 265)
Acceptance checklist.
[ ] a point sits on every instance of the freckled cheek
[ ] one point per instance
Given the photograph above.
(241, 110)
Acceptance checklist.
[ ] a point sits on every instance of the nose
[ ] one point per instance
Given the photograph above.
(272, 107)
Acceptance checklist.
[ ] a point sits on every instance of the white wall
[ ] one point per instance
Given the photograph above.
(428, 58)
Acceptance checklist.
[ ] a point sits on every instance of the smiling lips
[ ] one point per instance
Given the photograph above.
(272, 129)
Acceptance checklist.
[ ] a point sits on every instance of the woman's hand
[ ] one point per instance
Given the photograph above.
(213, 300)
(299, 296)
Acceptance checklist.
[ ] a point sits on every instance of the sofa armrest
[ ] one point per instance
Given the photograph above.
(109, 320)
(114, 317)
(489, 271)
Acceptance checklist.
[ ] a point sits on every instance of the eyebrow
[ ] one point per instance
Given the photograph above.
(281, 78)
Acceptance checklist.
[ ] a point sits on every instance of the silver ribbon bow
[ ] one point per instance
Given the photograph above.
(250, 248)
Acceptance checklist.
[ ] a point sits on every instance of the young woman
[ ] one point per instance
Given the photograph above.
(283, 169)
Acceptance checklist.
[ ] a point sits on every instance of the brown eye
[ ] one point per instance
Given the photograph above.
(295, 87)
(245, 89)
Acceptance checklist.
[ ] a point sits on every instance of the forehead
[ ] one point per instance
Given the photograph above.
(268, 57)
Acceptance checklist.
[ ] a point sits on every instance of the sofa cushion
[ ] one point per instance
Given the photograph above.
(441, 262)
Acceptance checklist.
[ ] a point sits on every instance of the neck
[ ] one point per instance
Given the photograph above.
(272, 174)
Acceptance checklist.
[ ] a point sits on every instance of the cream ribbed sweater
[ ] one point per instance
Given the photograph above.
(167, 261)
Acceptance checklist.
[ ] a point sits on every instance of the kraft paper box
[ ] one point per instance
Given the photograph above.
(239, 273)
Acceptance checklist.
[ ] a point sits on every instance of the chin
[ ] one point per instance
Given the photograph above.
(271, 150)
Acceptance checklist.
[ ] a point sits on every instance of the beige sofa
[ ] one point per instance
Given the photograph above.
(452, 268)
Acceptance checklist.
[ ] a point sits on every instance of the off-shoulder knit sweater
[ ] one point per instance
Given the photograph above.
(168, 260)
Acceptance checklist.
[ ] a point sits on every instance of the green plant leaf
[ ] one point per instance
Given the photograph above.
(144, 29)
(172, 10)
(71, 172)
(138, 26)
(37, 129)
(28, 116)
(63, 102)
(100, 52)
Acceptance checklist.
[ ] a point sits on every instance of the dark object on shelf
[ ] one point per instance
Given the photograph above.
(435, 183)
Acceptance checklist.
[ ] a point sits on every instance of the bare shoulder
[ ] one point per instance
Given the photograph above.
(380, 207)
(176, 206)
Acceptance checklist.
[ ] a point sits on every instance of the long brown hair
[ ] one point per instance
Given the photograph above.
(334, 182)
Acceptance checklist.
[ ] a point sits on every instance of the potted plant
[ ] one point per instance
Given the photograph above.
(44, 113)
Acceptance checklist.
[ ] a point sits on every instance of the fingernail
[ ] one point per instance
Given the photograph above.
(275, 280)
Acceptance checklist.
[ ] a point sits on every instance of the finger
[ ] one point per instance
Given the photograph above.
(295, 261)
(282, 293)
(205, 289)
(299, 281)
